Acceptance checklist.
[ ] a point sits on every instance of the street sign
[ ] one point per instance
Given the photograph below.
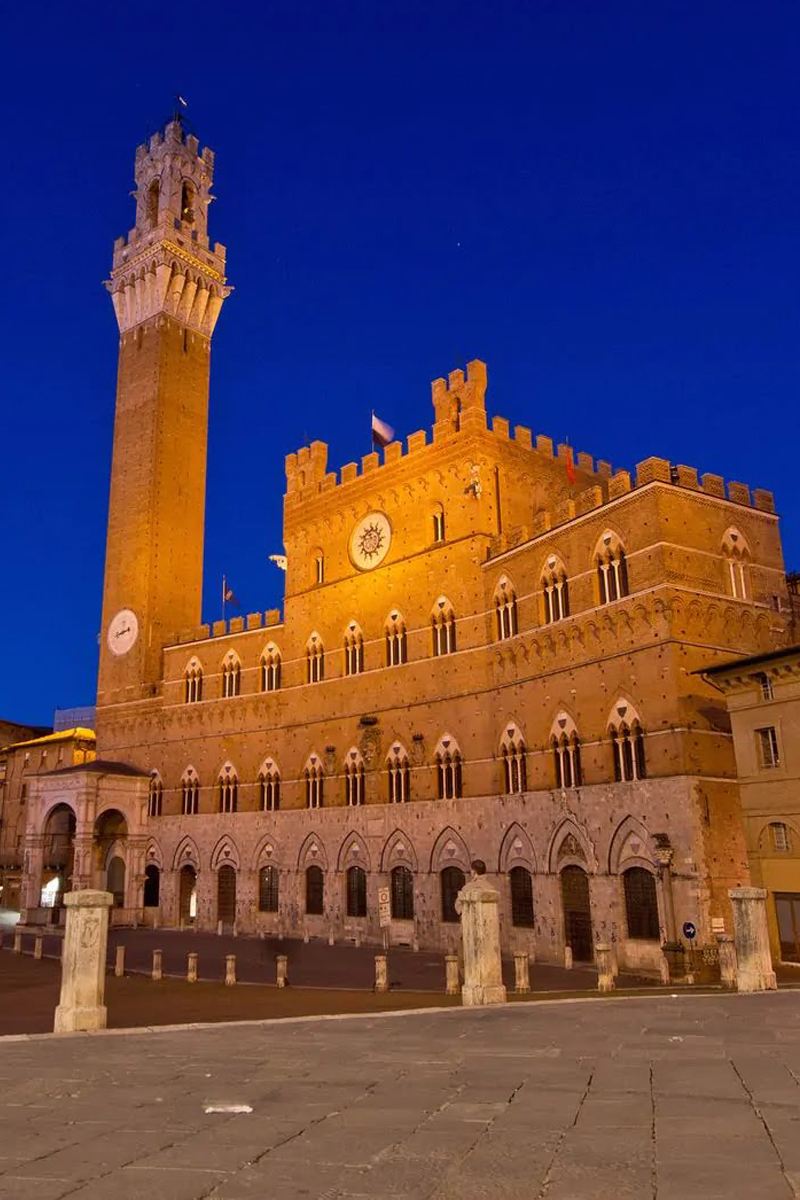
(384, 907)
(689, 930)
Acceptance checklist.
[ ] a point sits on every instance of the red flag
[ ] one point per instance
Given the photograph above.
(571, 476)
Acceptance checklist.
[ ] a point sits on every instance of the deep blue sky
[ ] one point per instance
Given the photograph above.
(600, 200)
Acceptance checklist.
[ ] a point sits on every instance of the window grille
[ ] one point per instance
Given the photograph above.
(315, 891)
(268, 889)
(356, 892)
(452, 881)
(767, 740)
(521, 897)
(780, 837)
(641, 904)
(402, 894)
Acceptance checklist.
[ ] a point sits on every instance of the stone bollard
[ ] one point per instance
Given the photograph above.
(381, 974)
(219, 928)
(330, 937)
(156, 965)
(230, 970)
(280, 965)
(605, 967)
(754, 971)
(357, 940)
(614, 960)
(415, 944)
(119, 962)
(235, 930)
(451, 974)
(305, 937)
(17, 942)
(191, 967)
(1, 939)
(479, 904)
(727, 959)
(663, 969)
(83, 966)
(568, 957)
(37, 946)
(522, 971)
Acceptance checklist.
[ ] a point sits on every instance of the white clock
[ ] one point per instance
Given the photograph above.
(122, 631)
(370, 541)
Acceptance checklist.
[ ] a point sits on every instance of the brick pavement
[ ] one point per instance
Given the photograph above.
(674, 1098)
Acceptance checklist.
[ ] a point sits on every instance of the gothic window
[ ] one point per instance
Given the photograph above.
(315, 659)
(269, 786)
(452, 881)
(153, 193)
(152, 886)
(505, 603)
(398, 774)
(627, 741)
(641, 904)
(444, 627)
(515, 769)
(438, 523)
(612, 568)
(402, 894)
(736, 554)
(566, 748)
(318, 567)
(193, 683)
(353, 650)
(521, 897)
(356, 892)
(271, 669)
(396, 648)
(353, 779)
(231, 676)
(315, 891)
(268, 889)
(555, 591)
(187, 203)
(190, 793)
(448, 769)
(155, 795)
(228, 789)
(314, 782)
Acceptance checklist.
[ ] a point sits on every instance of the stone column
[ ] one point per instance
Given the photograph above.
(381, 973)
(751, 934)
(605, 970)
(727, 959)
(31, 887)
(522, 971)
(664, 855)
(83, 964)
(480, 932)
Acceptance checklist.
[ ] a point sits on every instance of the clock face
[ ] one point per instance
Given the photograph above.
(122, 631)
(370, 541)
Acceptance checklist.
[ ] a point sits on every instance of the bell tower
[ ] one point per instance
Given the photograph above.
(167, 286)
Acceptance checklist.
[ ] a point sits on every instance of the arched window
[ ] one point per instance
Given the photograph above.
(448, 769)
(402, 894)
(318, 567)
(314, 782)
(193, 682)
(443, 620)
(155, 795)
(190, 793)
(228, 789)
(521, 897)
(515, 770)
(398, 774)
(452, 881)
(779, 833)
(153, 194)
(271, 669)
(641, 904)
(555, 590)
(396, 650)
(231, 675)
(187, 203)
(353, 778)
(268, 889)
(438, 523)
(612, 568)
(315, 659)
(736, 553)
(627, 741)
(152, 885)
(315, 891)
(353, 650)
(269, 786)
(566, 748)
(505, 603)
(356, 892)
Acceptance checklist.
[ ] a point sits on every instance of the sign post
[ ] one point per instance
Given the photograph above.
(385, 913)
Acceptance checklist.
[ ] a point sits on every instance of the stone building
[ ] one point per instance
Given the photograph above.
(763, 695)
(487, 649)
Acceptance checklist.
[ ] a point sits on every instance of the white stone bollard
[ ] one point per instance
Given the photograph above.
(663, 969)
(478, 902)
(119, 962)
(305, 937)
(522, 971)
(605, 967)
(156, 965)
(17, 942)
(230, 970)
(330, 937)
(219, 928)
(727, 959)
(754, 962)
(280, 967)
(568, 957)
(451, 974)
(37, 946)
(381, 973)
(191, 967)
(83, 966)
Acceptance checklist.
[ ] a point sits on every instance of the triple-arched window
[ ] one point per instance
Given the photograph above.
(515, 770)
(271, 668)
(193, 682)
(155, 795)
(269, 786)
(353, 650)
(314, 780)
(443, 621)
(627, 741)
(736, 553)
(566, 748)
(555, 590)
(505, 604)
(228, 783)
(315, 659)
(396, 643)
(231, 675)
(448, 769)
(190, 793)
(354, 778)
(398, 774)
(612, 568)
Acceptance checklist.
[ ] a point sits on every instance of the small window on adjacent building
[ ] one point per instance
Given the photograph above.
(766, 686)
(767, 741)
(780, 837)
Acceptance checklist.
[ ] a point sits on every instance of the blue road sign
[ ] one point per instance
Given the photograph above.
(689, 930)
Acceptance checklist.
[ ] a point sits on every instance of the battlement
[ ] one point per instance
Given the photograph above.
(174, 135)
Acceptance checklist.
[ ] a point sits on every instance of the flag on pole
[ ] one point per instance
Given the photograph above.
(227, 594)
(382, 433)
(571, 476)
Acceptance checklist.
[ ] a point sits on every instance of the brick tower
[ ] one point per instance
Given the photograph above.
(167, 286)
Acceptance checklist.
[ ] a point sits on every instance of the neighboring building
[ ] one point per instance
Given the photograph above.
(763, 695)
(70, 718)
(20, 764)
(487, 650)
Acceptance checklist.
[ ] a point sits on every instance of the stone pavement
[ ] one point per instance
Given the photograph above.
(675, 1098)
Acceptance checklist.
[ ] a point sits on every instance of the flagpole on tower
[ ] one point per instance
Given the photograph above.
(224, 593)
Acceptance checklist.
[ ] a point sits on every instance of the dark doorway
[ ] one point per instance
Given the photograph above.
(226, 895)
(787, 910)
(152, 885)
(577, 913)
(188, 895)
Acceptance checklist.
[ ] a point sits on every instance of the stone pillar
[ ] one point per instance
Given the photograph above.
(191, 968)
(568, 957)
(605, 967)
(280, 969)
(664, 855)
(230, 970)
(37, 946)
(156, 965)
(522, 971)
(17, 942)
(480, 932)
(381, 973)
(119, 962)
(83, 966)
(727, 959)
(451, 974)
(751, 933)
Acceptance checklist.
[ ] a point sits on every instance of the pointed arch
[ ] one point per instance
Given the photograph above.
(450, 850)
(505, 606)
(353, 852)
(566, 747)
(443, 626)
(270, 668)
(627, 742)
(228, 788)
(315, 659)
(153, 853)
(186, 854)
(267, 852)
(612, 567)
(225, 853)
(155, 794)
(398, 774)
(190, 792)
(193, 681)
(437, 517)
(737, 555)
(314, 776)
(312, 852)
(353, 770)
(269, 785)
(353, 649)
(231, 672)
(398, 851)
(555, 589)
(629, 846)
(514, 759)
(396, 640)
(570, 846)
(449, 768)
(516, 850)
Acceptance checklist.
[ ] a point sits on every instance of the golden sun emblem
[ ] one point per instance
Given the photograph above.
(370, 541)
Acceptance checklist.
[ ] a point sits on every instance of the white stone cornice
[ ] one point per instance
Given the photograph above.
(164, 278)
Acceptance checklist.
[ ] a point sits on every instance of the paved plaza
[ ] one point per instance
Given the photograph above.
(695, 1096)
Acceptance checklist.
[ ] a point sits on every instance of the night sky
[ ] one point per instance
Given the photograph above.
(600, 200)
